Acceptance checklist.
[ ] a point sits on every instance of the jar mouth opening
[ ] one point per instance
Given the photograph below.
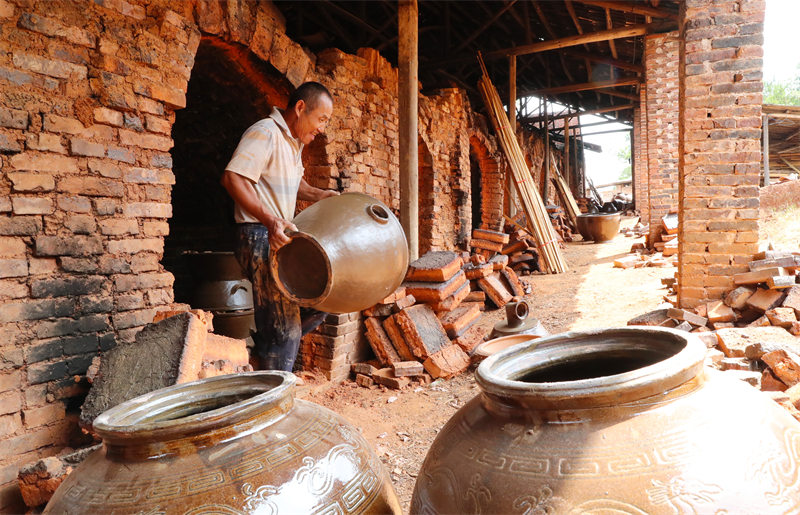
(198, 406)
(598, 367)
(302, 270)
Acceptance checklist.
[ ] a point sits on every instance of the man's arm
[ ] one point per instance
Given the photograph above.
(243, 192)
(309, 192)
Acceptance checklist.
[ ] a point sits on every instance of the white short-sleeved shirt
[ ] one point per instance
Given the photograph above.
(270, 157)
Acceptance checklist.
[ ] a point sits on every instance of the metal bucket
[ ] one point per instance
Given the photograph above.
(598, 227)
(349, 253)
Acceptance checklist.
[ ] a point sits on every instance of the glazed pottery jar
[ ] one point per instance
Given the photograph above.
(235, 444)
(624, 421)
(350, 252)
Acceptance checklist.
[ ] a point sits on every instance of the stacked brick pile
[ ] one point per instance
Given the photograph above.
(333, 346)
(523, 257)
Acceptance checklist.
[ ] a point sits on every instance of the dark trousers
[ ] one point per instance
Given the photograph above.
(279, 322)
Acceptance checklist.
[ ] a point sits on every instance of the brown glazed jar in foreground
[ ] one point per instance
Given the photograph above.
(235, 444)
(624, 421)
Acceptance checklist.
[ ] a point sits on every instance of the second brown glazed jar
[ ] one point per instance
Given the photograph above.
(236, 444)
(624, 421)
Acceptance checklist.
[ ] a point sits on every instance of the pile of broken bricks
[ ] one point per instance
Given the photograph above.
(427, 329)
(520, 247)
(664, 252)
(754, 332)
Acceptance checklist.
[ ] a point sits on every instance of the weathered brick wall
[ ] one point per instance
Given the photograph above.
(661, 71)
(721, 85)
(640, 175)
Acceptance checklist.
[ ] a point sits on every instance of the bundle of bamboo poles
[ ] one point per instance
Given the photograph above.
(535, 211)
(570, 206)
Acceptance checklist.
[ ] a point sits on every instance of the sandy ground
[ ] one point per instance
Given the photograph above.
(401, 425)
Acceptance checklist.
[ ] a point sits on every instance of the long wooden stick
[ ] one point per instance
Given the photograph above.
(535, 212)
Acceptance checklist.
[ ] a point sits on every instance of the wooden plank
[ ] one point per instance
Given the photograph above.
(408, 108)
(590, 37)
(631, 7)
(599, 110)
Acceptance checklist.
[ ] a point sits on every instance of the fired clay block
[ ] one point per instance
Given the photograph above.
(422, 331)
(436, 266)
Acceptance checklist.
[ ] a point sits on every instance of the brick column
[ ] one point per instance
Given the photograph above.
(661, 71)
(639, 158)
(720, 153)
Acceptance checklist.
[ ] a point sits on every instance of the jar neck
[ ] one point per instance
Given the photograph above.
(184, 419)
(626, 368)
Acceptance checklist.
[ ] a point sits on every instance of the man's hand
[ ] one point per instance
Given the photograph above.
(328, 193)
(277, 235)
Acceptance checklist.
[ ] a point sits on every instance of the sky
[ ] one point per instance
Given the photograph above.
(781, 58)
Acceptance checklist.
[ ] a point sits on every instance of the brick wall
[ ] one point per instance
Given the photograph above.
(720, 117)
(661, 71)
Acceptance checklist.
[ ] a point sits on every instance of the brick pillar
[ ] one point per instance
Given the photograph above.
(661, 71)
(639, 158)
(720, 153)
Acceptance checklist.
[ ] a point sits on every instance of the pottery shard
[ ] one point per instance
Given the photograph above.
(488, 235)
(687, 316)
(752, 342)
(763, 299)
(785, 365)
(792, 299)
(513, 282)
(453, 301)
(471, 338)
(737, 298)
(398, 341)
(436, 291)
(164, 353)
(781, 317)
(457, 321)
(380, 342)
(495, 290)
(447, 363)
(655, 317)
(422, 331)
(435, 266)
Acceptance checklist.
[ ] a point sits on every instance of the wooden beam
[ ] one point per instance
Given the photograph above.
(546, 174)
(631, 7)
(609, 26)
(554, 44)
(605, 132)
(599, 110)
(571, 88)
(352, 17)
(512, 92)
(619, 94)
(790, 165)
(408, 114)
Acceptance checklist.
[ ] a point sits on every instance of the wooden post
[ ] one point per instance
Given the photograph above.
(512, 119)
(765, 151)
(546, 181)
(408, 93)
(566, 153)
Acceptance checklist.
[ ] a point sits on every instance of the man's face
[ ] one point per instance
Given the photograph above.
(313, 122)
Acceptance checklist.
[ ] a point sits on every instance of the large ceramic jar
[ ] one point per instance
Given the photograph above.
(350, 252)
(624, 421)
(234, 444)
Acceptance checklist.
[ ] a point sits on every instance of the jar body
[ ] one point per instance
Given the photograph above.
(710, 444)
(302, 459)
(350, 252)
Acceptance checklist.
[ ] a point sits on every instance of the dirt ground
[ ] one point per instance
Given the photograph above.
(401, 425)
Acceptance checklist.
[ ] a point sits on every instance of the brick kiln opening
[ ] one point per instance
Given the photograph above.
(229, 90)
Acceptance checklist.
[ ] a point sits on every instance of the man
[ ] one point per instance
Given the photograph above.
(265, 179)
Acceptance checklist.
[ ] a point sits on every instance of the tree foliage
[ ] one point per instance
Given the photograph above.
(785, 92)
(624, 154)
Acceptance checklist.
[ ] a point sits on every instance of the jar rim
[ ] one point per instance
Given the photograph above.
(172, 411)
(683, 354)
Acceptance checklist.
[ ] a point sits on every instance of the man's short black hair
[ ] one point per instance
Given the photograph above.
(310, 93)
